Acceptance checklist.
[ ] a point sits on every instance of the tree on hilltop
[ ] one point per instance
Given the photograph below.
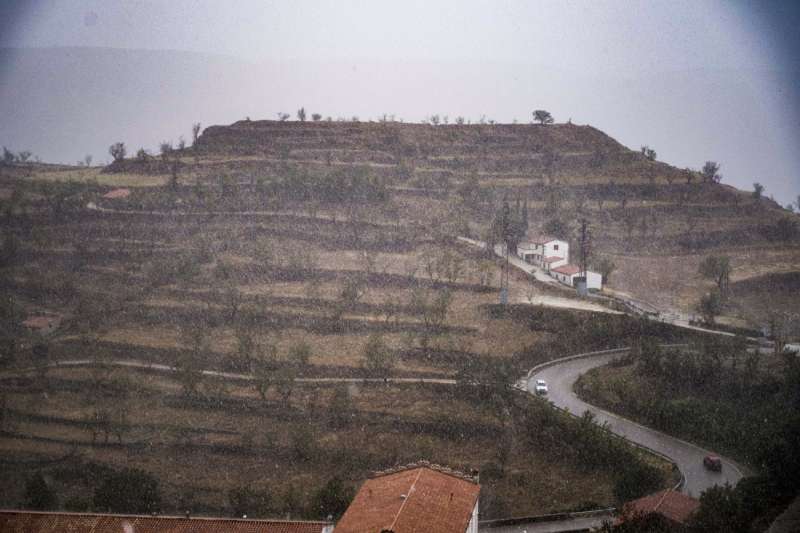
(648, 153)
(711, 173)
(316, 117)
(758, 191)
(165, 149)
(8, 156)
(195, 132)
(117, 151)
(301, 114)
(283, 117)
(542, 117)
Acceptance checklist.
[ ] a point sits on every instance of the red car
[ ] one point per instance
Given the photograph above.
(713, 463)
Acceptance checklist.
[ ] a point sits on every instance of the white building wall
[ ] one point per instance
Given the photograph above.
(594, 280)
(472, 527)
(556, 248)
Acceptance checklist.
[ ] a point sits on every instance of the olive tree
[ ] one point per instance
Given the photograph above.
(117, 151)
(542, 117)
(378, 358)
(710, 172)
(717, 268)
(758, 191)
(648, 153)
(709, 306)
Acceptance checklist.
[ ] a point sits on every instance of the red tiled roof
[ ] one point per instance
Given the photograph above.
(417, 500)
(668, 503)
(552, 259)
(117, 193)
(568, 270)
(542, 239)
(46, 522)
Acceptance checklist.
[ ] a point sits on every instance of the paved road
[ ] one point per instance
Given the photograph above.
(562, 376)
(144, 365)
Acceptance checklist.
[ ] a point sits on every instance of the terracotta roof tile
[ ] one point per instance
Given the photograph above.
(542, 239)
(568, 270)
(668, 503)
(418, 500)
(46, 522)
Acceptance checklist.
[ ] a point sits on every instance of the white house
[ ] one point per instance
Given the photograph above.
(566, 274)
(539, 249)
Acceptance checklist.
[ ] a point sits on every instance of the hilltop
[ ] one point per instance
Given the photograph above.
(654, 221)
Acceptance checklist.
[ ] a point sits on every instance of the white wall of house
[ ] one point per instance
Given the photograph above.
(556, 248)
(594, 280)
(472, 527)
(534, 253)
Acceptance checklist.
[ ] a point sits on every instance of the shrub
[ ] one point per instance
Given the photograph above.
(128, 491)
(39, 495)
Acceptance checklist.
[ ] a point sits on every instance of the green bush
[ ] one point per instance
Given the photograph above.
(128, 491)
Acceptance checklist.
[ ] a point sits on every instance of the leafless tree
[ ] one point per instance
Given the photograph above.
(195, 132)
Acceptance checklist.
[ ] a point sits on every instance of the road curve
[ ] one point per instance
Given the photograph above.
(561, 378)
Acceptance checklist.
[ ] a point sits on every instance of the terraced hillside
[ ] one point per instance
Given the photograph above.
(656, 223)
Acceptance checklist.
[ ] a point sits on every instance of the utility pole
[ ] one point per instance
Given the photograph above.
(505, 224)
(585, 245)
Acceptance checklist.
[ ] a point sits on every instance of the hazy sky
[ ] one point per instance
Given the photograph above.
(647, 53)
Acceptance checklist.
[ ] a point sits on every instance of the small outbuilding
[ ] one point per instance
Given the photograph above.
(569, 275)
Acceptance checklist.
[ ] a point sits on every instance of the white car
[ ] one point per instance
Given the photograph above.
(541, 386)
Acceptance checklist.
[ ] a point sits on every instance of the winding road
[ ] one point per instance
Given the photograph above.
(561, 377)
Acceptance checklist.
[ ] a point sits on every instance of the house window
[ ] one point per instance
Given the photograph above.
(555, 247)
